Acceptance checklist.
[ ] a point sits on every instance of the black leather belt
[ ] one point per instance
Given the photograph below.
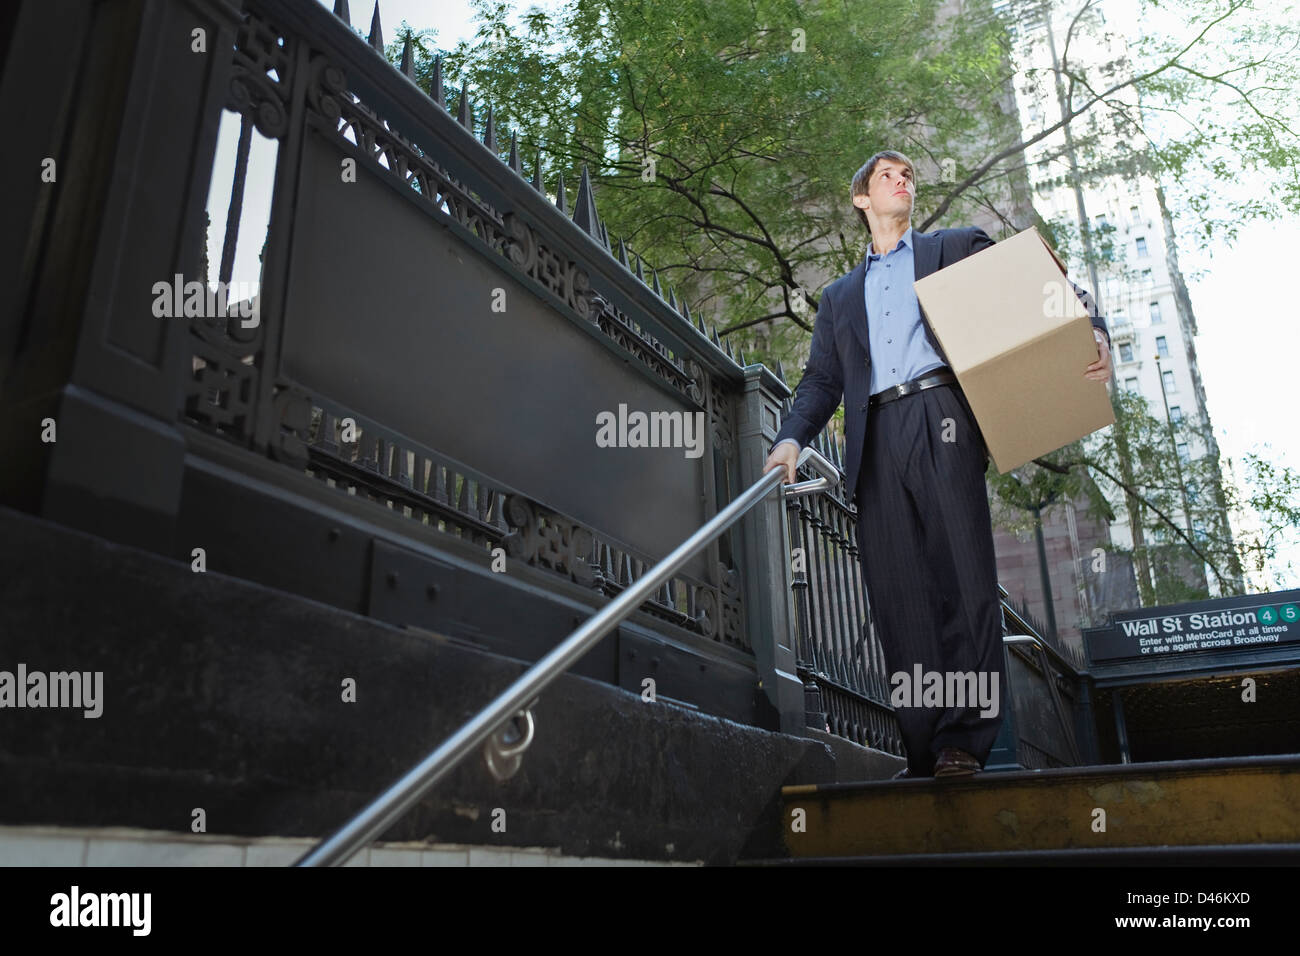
(940, 376)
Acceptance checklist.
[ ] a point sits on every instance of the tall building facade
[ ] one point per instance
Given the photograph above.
(1119, 241)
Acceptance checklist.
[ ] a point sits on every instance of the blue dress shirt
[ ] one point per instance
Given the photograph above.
(900, 350)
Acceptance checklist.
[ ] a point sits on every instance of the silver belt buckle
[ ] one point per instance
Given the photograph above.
(900, 389)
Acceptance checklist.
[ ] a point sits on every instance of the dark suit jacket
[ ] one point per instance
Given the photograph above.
(839, 364)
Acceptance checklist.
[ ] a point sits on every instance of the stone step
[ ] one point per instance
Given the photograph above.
(1240, 802)
(230, 702)
(1246, 854)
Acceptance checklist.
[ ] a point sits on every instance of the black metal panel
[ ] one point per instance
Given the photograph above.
(1040, 737)
(411, 113)
(249, 529)
(408, 337)
(481, 607)
(115, 472)
(718, 687)
(129, 125)
(152, 213)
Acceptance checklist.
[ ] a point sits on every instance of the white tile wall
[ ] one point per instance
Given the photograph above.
(446, 856)
(279, 853)
(63, 846)
(387, 857)
(38, 848)
(488, 856)
(537, 857)
(147, 852)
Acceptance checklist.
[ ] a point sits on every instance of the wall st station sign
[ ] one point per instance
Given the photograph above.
(1248, 623)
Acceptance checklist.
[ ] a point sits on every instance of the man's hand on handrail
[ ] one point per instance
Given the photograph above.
(786, 453)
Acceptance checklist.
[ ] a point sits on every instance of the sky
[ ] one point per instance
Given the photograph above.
(1248, 321)
(1247, 343)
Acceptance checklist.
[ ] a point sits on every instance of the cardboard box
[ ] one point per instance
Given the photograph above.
(1018, 338)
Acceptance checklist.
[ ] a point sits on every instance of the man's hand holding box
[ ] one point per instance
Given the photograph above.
(1016, 332)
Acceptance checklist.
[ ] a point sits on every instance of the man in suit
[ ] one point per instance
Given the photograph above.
(925, 535)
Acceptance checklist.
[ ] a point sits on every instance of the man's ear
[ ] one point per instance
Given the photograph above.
(861, 201)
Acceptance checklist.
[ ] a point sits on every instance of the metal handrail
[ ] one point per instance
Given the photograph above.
(1056, 654)
(519, 697)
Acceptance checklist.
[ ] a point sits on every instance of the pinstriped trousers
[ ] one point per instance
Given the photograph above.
(925, 538)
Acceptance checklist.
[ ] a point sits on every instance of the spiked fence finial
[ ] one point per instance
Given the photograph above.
(435, 84)
(489, 133)
(376, 31)
(514, 154)
(584, 212)
(408, 67)
(465, 114)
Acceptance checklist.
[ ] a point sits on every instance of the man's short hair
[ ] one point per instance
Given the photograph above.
(863, 176)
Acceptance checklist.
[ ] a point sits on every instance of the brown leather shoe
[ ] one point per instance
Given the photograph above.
(953, 762)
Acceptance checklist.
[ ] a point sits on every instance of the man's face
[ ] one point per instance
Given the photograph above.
(890, 190)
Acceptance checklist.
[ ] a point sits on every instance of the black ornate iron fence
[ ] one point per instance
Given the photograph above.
(316, 365)
(840, 658)
(402, 397)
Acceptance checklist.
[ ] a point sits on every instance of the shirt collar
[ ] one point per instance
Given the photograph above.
(905, 240)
